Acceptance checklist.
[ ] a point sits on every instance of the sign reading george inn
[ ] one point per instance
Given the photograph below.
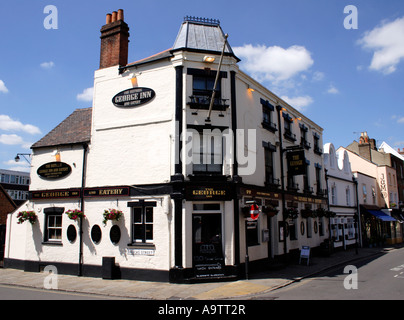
(133, 97)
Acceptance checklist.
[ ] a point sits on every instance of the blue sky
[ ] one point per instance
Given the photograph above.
(347, 81)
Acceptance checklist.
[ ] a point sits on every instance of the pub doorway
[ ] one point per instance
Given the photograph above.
(207, 246)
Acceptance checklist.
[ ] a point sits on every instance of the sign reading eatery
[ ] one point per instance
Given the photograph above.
(133, 97)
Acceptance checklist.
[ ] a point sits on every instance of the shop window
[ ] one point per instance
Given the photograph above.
(321, 226)
(292, 229)
(309, 227)
(53, 224)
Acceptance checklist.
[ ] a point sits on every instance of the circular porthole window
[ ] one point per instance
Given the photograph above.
(115, 234)
(96, 234)
(71, 233)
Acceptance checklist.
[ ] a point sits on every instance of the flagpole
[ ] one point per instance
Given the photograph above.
(217, 78)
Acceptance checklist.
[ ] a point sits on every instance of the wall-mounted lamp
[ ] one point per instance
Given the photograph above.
(250, 89)
(295, 119)
(209, 59)
(17, 157)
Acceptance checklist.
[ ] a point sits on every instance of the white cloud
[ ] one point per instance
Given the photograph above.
(318, 76)
(86, 95)
(8, 124)
(3, 87)
(387, 42)
(400, 120)
(299, 103)
(11, 139)
(274, 63)
(47, 65)
(332, 90)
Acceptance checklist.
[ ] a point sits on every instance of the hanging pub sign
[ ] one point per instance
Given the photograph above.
(296, 163)
(54, 170)
(133, 97)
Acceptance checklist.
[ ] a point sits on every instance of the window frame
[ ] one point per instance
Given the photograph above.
(143, 223)
(57, 214)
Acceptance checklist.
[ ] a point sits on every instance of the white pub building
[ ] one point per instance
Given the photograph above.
(166, 176)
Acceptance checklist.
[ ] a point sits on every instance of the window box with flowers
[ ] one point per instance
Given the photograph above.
(75, 214)
(27, 216)
(111, 214)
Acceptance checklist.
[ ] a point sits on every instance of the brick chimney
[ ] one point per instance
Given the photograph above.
(366, 145)
(114, 41)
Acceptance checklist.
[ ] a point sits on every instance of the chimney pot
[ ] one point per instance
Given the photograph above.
(120, 14)
(109, 17)
(114, 14)
(114, 41)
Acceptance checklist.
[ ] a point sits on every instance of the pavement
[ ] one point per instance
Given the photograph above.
(258, 283)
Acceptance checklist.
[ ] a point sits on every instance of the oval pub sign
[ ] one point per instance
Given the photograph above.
(54, 170)
(133, 97)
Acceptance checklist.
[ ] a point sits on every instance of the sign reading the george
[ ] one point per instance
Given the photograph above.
(133, 97)
(55, 194)
(54, 170)
(207, 193)
(296, 163)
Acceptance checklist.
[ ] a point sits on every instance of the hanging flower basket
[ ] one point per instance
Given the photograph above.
(307, 213)
(291, 213)
(320, 212)
(75, 214)
(111, 214)
(27, 216)
(270, 211)
(330, 214)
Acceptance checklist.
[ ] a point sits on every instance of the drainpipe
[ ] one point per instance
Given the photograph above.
(358, 231)
(285, 249)
(83, 183)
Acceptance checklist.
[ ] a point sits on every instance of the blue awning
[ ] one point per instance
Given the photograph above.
(381, 215)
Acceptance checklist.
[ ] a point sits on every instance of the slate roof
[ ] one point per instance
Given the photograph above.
(75, 129)
(201, 34)
(195, 34)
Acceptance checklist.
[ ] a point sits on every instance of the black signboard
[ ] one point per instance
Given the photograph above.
(54, 170)
(54, 194)
(296, 163)
(216, 193)
(133, 97)
(106, 192)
